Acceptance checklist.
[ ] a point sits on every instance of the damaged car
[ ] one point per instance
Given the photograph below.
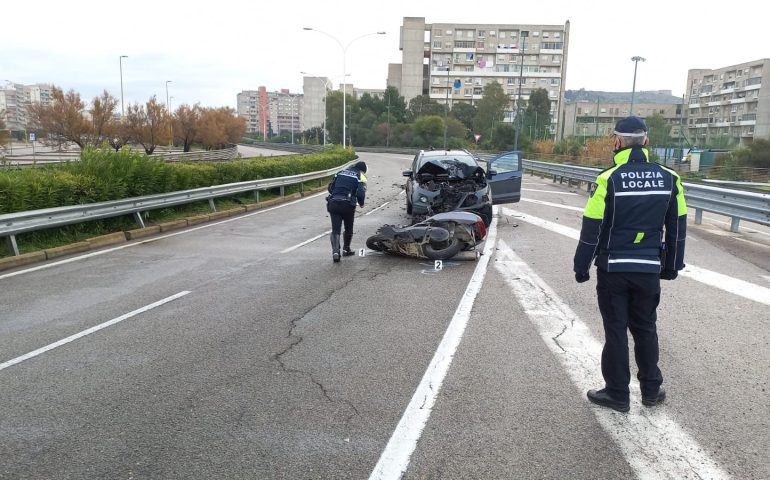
(450, 180)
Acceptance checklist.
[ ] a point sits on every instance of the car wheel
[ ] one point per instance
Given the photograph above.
(408, 206)
(444, 251)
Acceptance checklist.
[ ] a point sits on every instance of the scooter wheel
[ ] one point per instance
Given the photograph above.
(375, 242)
(444, 251)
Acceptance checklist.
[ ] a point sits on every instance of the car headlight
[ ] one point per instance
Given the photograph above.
(423, 199)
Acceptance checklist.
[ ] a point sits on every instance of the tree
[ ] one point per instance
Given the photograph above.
(464, 112)
(220, 127)
(5, 135)
(423, 105)
(429, 131)
(489, 110)
(148, 124)
(63, 118)
(395, 103)
(186, 122)
(658, 131)
(102, 113)
(756, 155)
(537, 119)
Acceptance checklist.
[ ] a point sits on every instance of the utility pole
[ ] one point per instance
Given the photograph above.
(446, 104)
(596, 117)
(633, 89)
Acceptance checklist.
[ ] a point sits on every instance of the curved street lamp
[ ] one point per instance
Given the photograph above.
(344, 70)
(168, 110)
(633, 89)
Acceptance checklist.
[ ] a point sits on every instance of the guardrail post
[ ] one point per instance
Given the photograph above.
(212, 206)
(698, 216)
(10, 241)
(302, 189)
(139, 219)
(734, 221)
(282, 190)
(256, 196)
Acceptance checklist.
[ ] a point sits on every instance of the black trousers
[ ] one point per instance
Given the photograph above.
(341, 212)
(628, 301)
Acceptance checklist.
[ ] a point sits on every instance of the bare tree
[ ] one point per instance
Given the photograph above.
(186, 123)
(62, 118)
(219, 127)
(148, 124)
(102, 118)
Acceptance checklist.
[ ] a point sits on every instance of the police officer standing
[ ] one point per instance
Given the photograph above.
(347, 188)
(623, 233)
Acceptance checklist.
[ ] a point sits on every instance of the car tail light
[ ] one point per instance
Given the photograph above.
(481, 230)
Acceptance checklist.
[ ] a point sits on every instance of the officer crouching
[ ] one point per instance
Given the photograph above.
(346, 189)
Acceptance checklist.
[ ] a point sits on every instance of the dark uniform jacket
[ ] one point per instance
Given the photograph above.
(624, 218)
(349, 186)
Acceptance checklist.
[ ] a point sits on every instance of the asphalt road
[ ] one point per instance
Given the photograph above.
(239, 350)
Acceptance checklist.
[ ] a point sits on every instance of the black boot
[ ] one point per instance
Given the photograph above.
(335, 238)
(348, 237)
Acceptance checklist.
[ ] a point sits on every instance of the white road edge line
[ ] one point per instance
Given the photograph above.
(548, 191)
(154, 239)
(375, 209)
(394, 460)
(654, 445)
(91, 330)
(721, 281)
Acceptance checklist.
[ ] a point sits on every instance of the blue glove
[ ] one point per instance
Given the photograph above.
(582, 277)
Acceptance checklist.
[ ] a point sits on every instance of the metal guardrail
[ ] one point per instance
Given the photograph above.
(736, 204)
(12, 224)
(47, 158)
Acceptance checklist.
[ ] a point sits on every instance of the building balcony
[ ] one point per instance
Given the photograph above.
(727, 90)
(714, 104)
(747, 122)
(747, 133)
(754, 87)
(737, 100)
(555, 51)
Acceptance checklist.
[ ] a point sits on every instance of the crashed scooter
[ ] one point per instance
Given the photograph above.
(439, 237)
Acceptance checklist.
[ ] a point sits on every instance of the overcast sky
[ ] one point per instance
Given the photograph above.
(213, 50)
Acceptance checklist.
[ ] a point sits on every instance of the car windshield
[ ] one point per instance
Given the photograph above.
(448, 159)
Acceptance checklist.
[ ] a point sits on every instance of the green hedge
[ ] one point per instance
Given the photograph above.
(103, 175)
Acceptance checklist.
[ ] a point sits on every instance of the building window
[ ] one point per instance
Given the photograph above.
(437, 44)
(482, 34)
(436, 33)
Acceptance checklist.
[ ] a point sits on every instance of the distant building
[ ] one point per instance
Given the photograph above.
(271, 112)
(596, 118)
(15, 98)
(730, 103)
(452, 62)
(314, 101)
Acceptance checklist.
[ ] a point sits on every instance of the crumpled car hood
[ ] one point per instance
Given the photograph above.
(455, 170)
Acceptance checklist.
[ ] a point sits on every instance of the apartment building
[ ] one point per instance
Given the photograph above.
(16, 97)
(314, 98)
(729, 105)
(586, 119)
(271, 113)
(452, 62)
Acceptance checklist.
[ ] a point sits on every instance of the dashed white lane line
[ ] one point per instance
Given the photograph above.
(395, 458)
(292, 248)
(729, 284)
(549, 191)
(654, 445)
(91, 330)
(551, 204)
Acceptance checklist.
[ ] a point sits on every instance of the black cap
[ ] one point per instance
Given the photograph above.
(360, 166)
(630, 126)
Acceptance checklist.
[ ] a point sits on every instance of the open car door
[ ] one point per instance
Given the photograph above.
(504, 177)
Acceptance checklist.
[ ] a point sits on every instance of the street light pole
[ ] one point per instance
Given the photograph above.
(122, 112)
(344, 71)
(168, 110)
(633, 89)
(523, 35)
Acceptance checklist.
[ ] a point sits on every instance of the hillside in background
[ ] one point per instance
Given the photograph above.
(657, 96)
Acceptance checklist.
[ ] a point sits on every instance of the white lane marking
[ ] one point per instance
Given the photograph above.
(394, 460)
(374, 210)
(732, 285)
(549, 191)
(91, 330)
(551, 204)
(654, 444)
(287, 250)
(154, 239)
